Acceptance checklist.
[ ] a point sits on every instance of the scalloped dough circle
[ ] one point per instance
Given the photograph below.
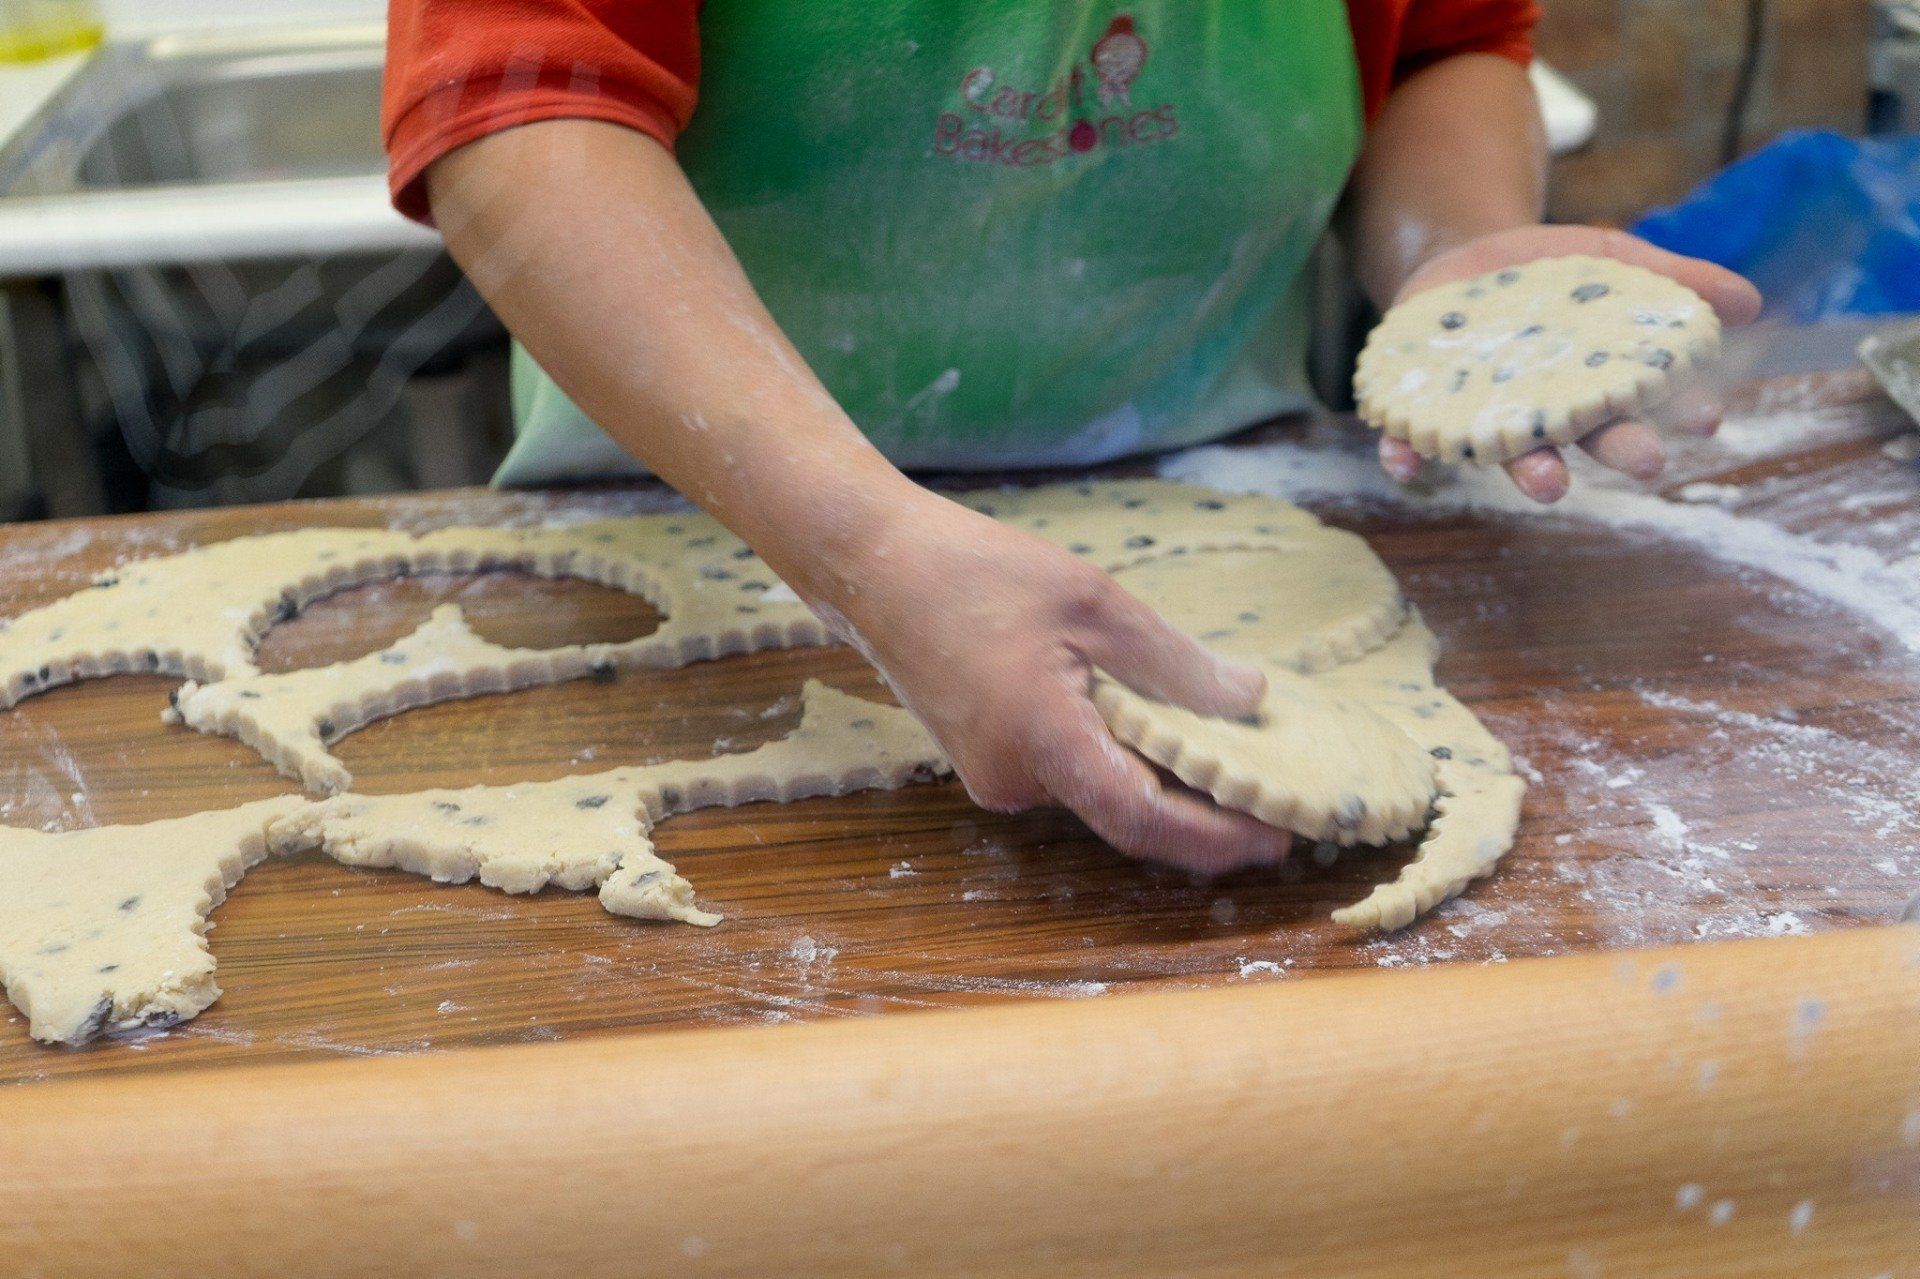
(1320, 765)
(1314, 763)
(1485, 369)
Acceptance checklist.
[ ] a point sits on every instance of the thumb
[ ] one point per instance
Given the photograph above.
(1148, 654)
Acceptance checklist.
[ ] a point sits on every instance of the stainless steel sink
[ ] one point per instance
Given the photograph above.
(205, 221)
(311, 113)
(207, 148)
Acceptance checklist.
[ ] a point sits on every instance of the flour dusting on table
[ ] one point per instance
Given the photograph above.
(1629, 836)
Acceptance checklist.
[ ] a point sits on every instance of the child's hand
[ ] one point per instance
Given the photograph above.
(990, 635)
(1626, 446)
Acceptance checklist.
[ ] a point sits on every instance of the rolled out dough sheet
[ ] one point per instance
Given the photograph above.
(1356, 743)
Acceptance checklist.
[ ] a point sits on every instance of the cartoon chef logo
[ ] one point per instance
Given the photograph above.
(1117, 58)
(1001, 121)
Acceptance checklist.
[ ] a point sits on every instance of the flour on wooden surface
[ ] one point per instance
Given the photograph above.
(1649, 865)
(1640, 855)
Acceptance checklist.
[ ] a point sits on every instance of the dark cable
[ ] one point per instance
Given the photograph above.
(1743, 81)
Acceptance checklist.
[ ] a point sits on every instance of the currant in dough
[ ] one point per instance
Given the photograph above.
(1483, 370)
(104, 929)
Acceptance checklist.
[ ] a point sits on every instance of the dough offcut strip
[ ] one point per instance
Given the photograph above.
(105, 929)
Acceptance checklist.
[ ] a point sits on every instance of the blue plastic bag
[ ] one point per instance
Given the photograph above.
(1825, 225)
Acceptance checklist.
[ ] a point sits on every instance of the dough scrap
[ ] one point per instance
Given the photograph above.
(291, 717)
(104, 929)
(1485, 369)
(200, 613)
(1477, 793)
(591, 830)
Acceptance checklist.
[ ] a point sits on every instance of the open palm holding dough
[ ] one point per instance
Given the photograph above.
(1525, 327)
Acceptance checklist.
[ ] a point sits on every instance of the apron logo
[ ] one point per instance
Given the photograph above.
(1002, 124)
(1117, 58)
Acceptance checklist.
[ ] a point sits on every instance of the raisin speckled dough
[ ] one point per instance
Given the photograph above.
(105, 929)
(1483, 370)
(1323, 766)
(1266, 582)
(1254, 576)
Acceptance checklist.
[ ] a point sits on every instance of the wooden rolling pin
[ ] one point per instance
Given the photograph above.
(1751, 1109)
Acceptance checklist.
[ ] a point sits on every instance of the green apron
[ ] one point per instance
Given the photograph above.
(1010, 232)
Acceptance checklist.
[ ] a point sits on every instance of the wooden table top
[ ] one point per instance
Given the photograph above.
(1713, 753)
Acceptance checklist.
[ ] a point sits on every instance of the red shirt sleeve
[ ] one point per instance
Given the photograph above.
(458, 70)
(1395, 38)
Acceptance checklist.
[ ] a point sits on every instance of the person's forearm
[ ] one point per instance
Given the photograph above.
(590, 245)
(1457, 152)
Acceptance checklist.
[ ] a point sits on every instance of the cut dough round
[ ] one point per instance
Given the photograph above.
(1483, 370)
(1315, 763)
(1318, 764)
(1306, 607)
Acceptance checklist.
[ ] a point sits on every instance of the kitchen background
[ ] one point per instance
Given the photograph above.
(1664, 75)
(204, 299)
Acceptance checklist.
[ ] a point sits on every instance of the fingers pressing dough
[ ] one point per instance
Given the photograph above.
(1313, 763)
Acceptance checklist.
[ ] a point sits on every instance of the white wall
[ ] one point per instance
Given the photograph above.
(129, 17)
